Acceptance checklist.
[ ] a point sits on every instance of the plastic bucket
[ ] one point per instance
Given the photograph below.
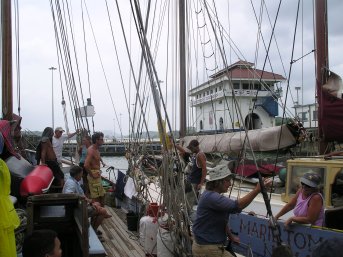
(132, 221)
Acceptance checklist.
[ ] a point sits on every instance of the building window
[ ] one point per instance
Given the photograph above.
(315, 115)
(221, 124)
(257, 86)
(220, 88)
(220, 102)
(208, 92)
(203, 94)
(216, 90)
(235, 85)
(201, 125)
(211, 91)
(303, 116)
(245, 86)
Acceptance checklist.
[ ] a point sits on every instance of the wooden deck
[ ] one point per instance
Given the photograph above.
(120, 242)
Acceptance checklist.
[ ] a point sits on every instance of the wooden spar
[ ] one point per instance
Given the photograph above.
(6, 83)
(322, 62)
(183, 92)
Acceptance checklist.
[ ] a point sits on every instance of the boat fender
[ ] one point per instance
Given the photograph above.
(37, 182)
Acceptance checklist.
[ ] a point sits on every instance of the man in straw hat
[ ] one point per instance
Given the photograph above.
(210, 225)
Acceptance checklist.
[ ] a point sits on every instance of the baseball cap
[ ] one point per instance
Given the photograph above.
(59, 129)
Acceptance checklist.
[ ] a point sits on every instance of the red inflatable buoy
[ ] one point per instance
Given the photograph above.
(37, 182)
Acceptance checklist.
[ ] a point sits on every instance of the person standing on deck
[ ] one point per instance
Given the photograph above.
(198, 172)
(86, 142)
(92, 166)
(58, 141)
(45, 155)
(210, 225)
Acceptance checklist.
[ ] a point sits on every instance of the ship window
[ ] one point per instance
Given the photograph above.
(298, 172)
(315, 115)
(337, 190)
(303, 116)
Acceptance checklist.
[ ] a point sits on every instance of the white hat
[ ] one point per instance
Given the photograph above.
(59, 129)
(218, 172)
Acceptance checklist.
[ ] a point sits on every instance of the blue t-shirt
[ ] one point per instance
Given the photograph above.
(212, 218)
(72, 186)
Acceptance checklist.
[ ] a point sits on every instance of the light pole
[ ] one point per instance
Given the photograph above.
(121, 130)
(52, 95)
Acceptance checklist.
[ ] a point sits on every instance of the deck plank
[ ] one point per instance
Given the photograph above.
(119, 241)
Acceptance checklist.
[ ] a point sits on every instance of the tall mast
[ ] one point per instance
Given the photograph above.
(6, 61)
(183, 92)
(322, 61)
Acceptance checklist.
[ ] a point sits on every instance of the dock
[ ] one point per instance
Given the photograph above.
(120, 242)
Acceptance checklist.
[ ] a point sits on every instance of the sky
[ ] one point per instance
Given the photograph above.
(111, 86)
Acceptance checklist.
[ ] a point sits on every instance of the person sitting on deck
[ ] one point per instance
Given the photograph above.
(307, 202)
(45, 155)
(42, 243)
(97, 213)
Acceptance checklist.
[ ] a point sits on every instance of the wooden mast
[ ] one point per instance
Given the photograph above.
(322, 62)
(6, 83)
(183, 92)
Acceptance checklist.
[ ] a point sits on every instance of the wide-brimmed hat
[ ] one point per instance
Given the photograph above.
(59, 129)
(218, 172)
(311, 179)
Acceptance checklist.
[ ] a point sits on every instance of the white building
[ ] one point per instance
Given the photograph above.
(256, 92)
(308, 115)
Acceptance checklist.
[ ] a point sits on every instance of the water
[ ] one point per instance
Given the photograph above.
(118, 162)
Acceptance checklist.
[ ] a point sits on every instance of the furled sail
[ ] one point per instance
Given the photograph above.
(266, 139)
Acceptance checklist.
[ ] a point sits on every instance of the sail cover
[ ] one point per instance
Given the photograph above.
(331, 118)
(266, 139)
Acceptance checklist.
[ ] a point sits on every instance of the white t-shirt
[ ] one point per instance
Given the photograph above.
(57, 144)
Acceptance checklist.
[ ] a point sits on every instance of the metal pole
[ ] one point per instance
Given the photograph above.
(52, 96)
